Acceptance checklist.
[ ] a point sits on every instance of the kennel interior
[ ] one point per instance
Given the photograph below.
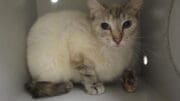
(160, 43)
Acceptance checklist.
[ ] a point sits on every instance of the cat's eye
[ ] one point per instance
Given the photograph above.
(105, 26)
(127, 24)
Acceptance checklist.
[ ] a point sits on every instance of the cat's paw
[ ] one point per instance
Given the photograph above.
(130, 82)
(130, 86)
(69, 85)
(95, 89)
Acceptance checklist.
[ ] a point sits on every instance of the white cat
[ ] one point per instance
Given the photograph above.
(69, 46)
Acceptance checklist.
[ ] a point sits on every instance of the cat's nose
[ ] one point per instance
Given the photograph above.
(117, 40)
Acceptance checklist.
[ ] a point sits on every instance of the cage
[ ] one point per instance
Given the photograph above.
(160, 42)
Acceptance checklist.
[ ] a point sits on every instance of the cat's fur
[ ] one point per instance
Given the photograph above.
(70, 46)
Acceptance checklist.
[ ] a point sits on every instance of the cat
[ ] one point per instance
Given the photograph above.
(70, 46)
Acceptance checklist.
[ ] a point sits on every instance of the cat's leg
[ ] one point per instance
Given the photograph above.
(90, 81)
(51, 74)
(88, 76)
(39, 89)
(129, 81)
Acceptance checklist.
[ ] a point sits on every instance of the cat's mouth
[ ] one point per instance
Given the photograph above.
(117, 41)
(117, 45)
(120, 44)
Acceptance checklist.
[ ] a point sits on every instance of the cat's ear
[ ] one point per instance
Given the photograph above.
(96, 9)
(134, 6)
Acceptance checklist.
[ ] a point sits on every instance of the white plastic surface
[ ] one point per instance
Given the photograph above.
(174, 35)
(113, 93)
(16, 17)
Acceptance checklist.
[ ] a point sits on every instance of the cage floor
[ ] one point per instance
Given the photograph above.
(113, 93)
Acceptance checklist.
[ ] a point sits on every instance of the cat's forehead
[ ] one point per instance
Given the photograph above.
(116, 11)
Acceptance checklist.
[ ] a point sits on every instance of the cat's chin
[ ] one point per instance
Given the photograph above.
(115, 46)
(121, 45)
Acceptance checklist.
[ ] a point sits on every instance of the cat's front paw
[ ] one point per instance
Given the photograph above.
(95, 89)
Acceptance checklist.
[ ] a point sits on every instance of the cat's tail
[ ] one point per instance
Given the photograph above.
(47, 89)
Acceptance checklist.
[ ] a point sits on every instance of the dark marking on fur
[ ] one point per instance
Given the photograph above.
(88, 75)
(80, 67)
(114, 11)
(47, 89)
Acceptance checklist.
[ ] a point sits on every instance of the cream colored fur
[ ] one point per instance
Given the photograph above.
(57, 39)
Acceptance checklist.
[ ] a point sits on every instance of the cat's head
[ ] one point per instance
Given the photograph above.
(115, 26)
